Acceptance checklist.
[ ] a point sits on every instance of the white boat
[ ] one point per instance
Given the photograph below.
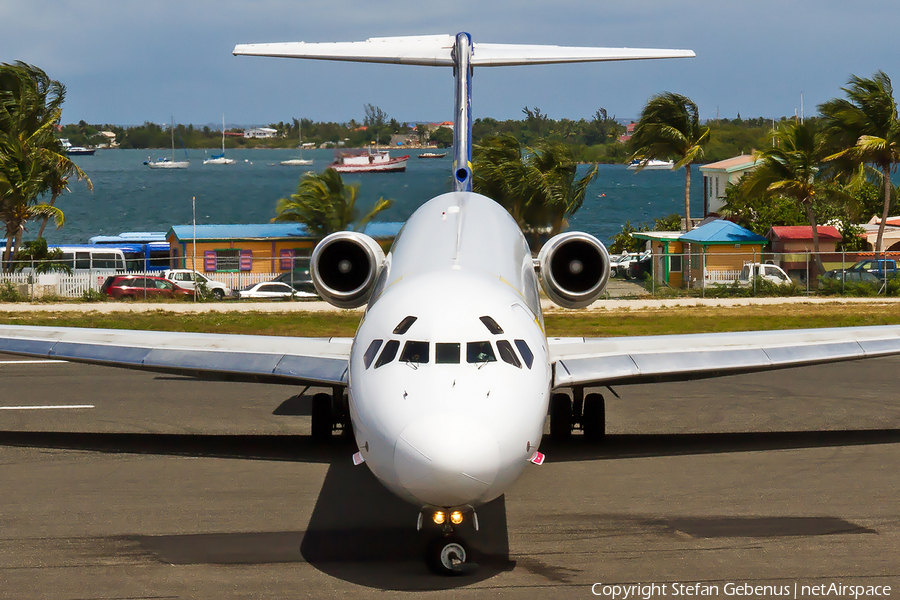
(652, 165)
(299, 161)
(432, 155)
(76, 150)
(219, 159)
(169, 163)
(371, 161)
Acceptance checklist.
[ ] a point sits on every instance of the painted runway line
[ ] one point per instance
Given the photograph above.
(48, 407)
(29, 362)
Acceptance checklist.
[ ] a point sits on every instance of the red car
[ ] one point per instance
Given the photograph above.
(138, 287)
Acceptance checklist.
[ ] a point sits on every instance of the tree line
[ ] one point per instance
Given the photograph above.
(594, 140)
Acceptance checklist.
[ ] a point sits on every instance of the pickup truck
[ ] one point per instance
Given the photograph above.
(185, 278)
(771, 273)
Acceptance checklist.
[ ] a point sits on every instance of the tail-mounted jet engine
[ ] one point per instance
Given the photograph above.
(344, 267)
(574, 269)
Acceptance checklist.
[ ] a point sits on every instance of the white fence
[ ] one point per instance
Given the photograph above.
(75, 285)
(722, 276)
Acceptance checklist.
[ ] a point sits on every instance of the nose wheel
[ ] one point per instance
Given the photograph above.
(447, 555)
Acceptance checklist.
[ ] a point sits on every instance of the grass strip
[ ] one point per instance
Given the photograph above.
(659, 321)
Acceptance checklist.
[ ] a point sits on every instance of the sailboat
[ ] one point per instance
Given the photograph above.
(169, 163)
(219, 159)
(300, 161)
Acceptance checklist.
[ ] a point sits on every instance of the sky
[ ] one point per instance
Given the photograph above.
(125, 62)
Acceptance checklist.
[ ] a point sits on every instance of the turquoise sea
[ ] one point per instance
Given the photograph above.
(128, 196)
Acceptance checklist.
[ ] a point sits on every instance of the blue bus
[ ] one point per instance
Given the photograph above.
(144, 250)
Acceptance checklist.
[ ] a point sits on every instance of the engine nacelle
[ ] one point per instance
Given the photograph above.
(344, 267)
(574, 269)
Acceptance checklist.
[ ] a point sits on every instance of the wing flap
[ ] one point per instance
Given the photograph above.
(698, 356)
(270, 359)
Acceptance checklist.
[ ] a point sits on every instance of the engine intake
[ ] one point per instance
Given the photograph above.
(344, 267)
(574, 269)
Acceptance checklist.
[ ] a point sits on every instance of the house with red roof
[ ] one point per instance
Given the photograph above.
(794, 243)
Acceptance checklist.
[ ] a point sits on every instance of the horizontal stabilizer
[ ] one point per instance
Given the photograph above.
(436, 51)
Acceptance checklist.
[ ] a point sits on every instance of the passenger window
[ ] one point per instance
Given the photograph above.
(388, 354)
(446, 353)
(525, 351)
(371, 351)
(491, 324)
(415, 352)
(479, 352)
(507, 354)
(404, 325)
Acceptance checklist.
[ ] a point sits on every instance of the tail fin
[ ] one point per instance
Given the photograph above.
(463, 55)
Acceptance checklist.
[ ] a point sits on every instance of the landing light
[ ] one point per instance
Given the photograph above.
(439, 517)
(456, 517)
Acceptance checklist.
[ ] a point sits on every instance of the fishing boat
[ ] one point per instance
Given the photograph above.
(169, 163)
(219, 159)
(299, 161)
(652, 165)
(368, 161)
(432, 155)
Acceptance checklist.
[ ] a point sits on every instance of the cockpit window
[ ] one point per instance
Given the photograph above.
(525, 351)
(479, 352)
(446, 353)
(491, 324)
(508, 354)
(415, 352)
(388, 354)
(404, 325)
(371, 351)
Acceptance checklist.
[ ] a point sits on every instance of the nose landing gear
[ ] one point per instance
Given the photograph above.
(446, 553)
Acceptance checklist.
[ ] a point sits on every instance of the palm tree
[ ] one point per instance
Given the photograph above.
(325, 204)
(864, 128)
(539, 185)
(32, 160)
(669, 129)
(790, 169)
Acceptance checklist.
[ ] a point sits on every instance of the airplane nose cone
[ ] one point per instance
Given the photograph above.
(446, 460)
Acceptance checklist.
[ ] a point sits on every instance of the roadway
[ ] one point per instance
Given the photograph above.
(173, 488)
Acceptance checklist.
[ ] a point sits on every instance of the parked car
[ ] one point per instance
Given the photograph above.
(771, 273)
(877, 268)
(272, 290)
(639, 269)
(136, 287)
(185, 278)
(297, 279)
(848, 276)
(619, 265)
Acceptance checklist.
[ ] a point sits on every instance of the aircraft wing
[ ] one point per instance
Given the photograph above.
(624, 360)
(266, 359)
(435, 51)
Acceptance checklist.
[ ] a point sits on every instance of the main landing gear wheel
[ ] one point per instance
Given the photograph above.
(560, 417)
(593, 418)
(322, 417)
(447, 556)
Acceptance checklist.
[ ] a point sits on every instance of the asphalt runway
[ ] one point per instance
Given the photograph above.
(174, 488)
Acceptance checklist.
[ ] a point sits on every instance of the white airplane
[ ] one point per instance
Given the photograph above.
(450, 374)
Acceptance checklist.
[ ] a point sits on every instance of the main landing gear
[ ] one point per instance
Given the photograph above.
(330, 412)
(588, 412)
(446, 553)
